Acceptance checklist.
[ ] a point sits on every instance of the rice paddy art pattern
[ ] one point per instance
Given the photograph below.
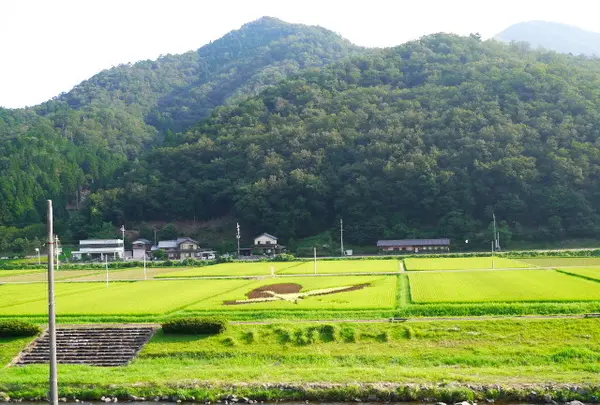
(290, 292)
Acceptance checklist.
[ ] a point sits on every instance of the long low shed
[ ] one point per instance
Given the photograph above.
(414, 245)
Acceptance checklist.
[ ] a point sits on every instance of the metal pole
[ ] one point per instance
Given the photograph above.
(492, 254)
(106, 263)
(123, 233)
(315, 251)
(342, 236)
(237, 235)
(495, 241)
(57, 248)
(53, 397)
(145, 274)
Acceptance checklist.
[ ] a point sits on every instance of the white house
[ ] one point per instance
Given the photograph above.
(180, 248)
(267, 244)
(141, 248)
(265, 240)
(101, 248)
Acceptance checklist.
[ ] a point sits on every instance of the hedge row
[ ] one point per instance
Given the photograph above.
(195, 326)
(17, 328)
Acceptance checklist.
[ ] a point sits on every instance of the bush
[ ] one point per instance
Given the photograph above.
(284, 257)
(15, 328)
(195, 326)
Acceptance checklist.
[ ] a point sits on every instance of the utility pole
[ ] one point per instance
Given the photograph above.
(123, 233)
(145, 274)
(237, 235)
(155, 240)
(57, 249)
(315, 252)
(342, 236)
(106, 264)
(53, 395)
(492, 254)
(495, 240)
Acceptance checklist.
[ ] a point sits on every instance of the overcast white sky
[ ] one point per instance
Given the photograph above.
(47, 47)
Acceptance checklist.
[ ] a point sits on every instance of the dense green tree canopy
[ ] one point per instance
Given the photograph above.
(82, 138)
(426, 139)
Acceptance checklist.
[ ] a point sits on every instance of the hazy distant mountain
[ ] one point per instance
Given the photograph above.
(554, 36)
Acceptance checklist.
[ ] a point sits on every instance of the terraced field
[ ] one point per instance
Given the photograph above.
(501, 286)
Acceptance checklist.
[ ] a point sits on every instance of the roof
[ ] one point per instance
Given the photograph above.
(413, 242)
(167, 244)
(268, 235)
(143, 241)
(100, 241)
(179, 241)
(173, 244)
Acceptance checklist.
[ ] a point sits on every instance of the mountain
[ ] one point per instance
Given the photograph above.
(427, 139)
(112, 119)
(553, 36)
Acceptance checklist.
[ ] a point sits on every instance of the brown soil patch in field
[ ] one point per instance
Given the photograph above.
(261, 292)
(289, 288)
(352, 288)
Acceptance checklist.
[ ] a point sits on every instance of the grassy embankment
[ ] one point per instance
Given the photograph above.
(455, 360)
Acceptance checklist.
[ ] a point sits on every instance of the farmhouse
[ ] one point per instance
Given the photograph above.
(267, 244)
(141, 248)
(182, 248)
(100, 249)
(414, 245)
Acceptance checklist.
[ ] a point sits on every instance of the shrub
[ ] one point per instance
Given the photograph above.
(15, 328)
(327, 333)
(348, 335)
(284, 257)
(195, 326)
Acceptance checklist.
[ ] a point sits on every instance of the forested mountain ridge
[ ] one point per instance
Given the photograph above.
(83, 138)
(174, 92)
(553, 36)
(426, 139)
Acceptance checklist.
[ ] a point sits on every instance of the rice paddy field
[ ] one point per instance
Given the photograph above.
(501, 286)
(563, 261)
(590, 273)
(251, 291)
(343, 266)
(239, 269)
(460, 263)
(375, 292)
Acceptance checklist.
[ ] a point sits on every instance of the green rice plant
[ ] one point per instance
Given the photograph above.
(462, 263)
(587, 273)
(344, 266)
(500, 286)
(563, 261)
